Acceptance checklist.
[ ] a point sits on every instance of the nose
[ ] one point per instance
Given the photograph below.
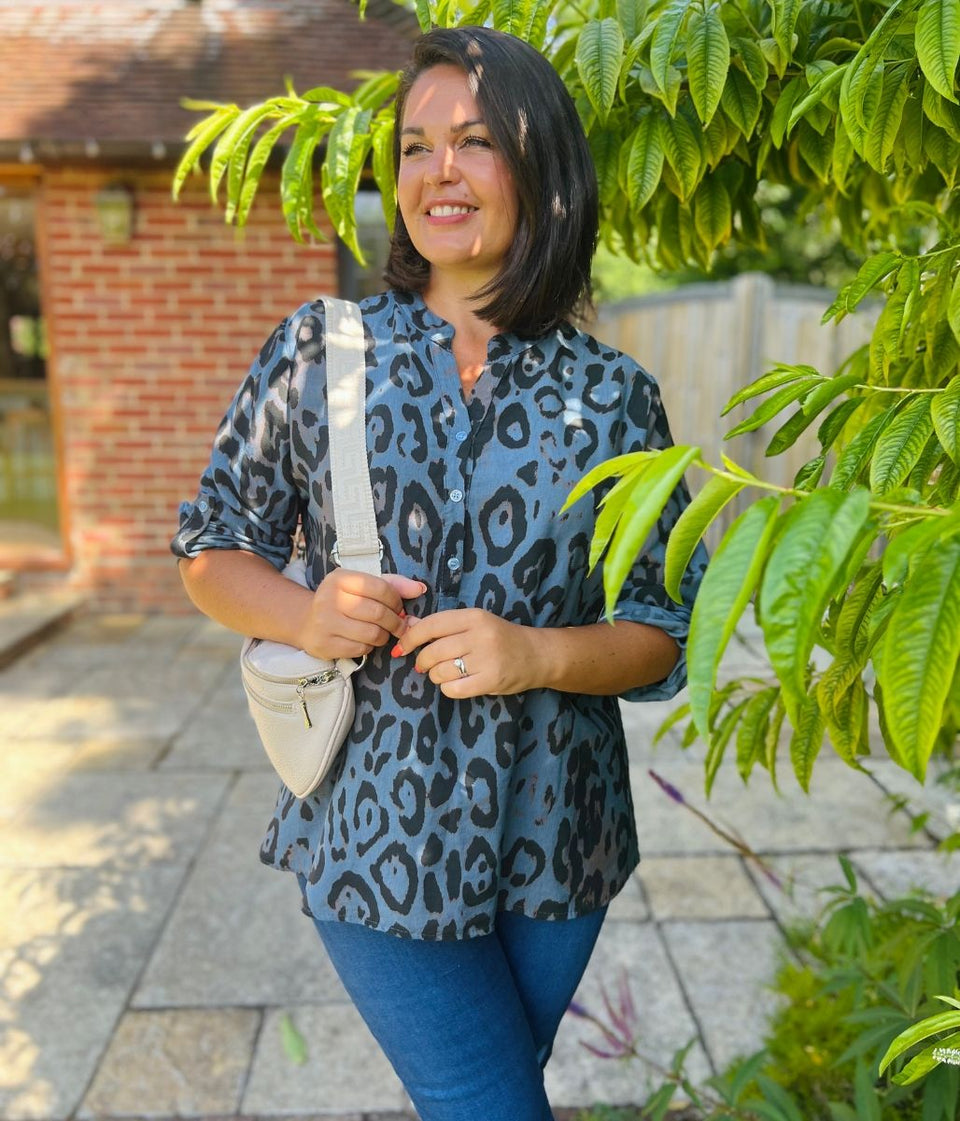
(443, 165)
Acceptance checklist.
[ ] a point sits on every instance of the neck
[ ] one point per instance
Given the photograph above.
(454, 303)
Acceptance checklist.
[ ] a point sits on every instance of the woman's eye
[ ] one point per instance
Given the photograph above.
(480, 141)
(412, 149)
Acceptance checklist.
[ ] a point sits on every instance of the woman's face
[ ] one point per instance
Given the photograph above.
(454, 189)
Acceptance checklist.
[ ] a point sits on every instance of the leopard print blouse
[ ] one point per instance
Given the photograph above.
(442, 812)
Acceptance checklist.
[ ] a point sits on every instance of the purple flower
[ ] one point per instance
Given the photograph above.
(668, 788)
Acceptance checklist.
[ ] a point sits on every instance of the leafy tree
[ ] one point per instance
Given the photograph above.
(689, 105)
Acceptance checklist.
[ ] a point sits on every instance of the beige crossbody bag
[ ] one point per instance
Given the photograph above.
(303, 706)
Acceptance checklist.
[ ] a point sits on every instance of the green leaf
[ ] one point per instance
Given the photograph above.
(945, 413)
(785, 13)
(886, 120)
(728, 584)
(843, 702)
(712, 213)
(749, 58)
(751, 732)
(618, 465)
(347, 148)
(774, 404)
(924, 1062)
(640, 515)
(776, 377)
(691, 526)
(937, 40)
(296, 184)
(611, 508)
(856, 455)
(708, 60)
(599, 53)
(294, 1045)
(645, 162)
(242, 127)
(204, 134)
(920, 651)
(383, 169)
(900, 445)
(682, 147)
(718, 741)
(741, 101)
(374, 90)
(829, 78)
(818, 534)
(258, 161)
(664, 39)
(605, 149)
(806, 741)
(424, 15)
(953, 308)
(631, 15)
(917, 1033)
(871, 272)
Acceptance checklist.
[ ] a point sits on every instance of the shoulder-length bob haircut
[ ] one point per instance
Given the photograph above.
(545, 276)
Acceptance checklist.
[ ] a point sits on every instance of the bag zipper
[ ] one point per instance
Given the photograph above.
(303, 683)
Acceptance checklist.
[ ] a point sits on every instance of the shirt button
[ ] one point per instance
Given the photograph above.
(453, 564)
(456, 496)
(460, 436)
(202, 505)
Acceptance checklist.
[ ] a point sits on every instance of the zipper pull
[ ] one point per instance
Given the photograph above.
(303, 704)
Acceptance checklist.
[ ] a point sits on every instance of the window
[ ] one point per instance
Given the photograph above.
(29, 519)
(357, 282)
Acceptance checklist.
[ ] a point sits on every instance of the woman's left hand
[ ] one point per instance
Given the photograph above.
(470, 653)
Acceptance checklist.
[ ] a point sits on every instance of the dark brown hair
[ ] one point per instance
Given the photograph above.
(533, 122)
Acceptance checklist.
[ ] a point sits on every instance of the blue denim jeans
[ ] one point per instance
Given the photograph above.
(469, 1025)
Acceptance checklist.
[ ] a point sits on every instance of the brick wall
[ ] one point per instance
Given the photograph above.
(149, 341)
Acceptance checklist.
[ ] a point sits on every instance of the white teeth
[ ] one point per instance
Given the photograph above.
(449, 211)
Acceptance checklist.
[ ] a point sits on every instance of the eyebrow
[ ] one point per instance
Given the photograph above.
(456, 128)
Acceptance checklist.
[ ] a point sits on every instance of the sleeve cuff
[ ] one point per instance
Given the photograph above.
(208, 524)
(675, 623)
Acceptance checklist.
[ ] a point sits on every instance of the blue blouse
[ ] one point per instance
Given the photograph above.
(442, 812)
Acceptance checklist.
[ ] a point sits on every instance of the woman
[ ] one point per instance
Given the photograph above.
(459, 861)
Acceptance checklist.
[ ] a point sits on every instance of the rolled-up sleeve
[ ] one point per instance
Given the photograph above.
(643, 598)
(248, 499)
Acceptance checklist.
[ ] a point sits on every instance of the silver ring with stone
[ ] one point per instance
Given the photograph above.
(461, 668)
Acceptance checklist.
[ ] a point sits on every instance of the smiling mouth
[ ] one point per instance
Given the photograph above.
(449, 211)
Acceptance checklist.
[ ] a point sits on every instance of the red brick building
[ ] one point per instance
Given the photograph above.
(120, 347)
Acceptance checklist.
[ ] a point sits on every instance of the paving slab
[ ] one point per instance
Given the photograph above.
(938, 802)
(700, 887)
(72, 943)
(844, 810)
(726, 968)
(344, 1072)
(895, 874)
(184, 1063)
(800, 894)
(29, 770)
(129, 820)
(237, 935)
(220, 734)
(575, 1077)
(630, 904)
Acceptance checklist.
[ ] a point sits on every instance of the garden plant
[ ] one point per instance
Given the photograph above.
(690, 108)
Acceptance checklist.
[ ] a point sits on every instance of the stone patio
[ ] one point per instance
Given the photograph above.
(135, 911)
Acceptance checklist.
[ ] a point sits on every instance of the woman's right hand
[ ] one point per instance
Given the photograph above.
(352, 613)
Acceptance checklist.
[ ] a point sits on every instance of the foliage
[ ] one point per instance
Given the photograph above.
(868, 970)
(864, 970)
(689, 105)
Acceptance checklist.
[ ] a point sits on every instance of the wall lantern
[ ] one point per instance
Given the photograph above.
(115, 213)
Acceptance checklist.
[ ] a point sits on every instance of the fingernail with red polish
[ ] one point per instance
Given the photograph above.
(396, 651)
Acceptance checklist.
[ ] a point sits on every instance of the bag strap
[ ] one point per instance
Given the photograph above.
(358, 543)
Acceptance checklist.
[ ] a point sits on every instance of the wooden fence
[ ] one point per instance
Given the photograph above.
(703, 342)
